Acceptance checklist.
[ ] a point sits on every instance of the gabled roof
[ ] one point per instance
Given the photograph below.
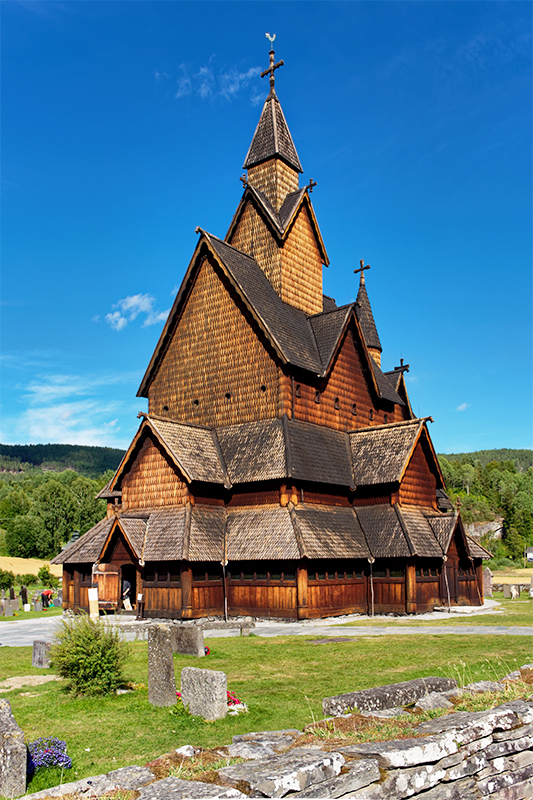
(382, 453)
(272, 138)
(279, 222)
(396, 378)
(86, 549)
(193, 449)
(290, 331)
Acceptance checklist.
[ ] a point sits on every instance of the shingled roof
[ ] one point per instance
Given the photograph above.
(272, 138)
(86, 549)
(381, 454)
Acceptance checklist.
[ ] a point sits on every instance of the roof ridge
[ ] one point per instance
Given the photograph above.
(185, 423)
(389, 425)
(331, 311)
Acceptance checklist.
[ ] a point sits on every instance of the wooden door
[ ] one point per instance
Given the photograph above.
(108, 579)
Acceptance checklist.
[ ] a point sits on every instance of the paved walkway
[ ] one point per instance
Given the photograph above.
(23, 632)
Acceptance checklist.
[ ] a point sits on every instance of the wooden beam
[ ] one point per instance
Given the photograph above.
(301, 589)
(410, 588)
(186, 592)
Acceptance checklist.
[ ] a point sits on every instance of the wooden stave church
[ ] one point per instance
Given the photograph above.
(279, 471)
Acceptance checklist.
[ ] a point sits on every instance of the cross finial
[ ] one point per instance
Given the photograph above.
(244, 181)
(312, 185)
(362, 270)
(272, 67)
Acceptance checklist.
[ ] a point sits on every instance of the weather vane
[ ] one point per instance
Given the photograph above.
(272, 67)
(271, 38)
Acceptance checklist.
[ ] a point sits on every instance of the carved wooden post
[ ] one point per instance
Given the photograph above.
(65, 588)
(77, 580)
(479, 578)
(301, 591)
(410, 588)
(186, 592)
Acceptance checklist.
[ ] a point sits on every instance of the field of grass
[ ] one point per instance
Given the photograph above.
(25, 566)
(511, 614)
(282, 680)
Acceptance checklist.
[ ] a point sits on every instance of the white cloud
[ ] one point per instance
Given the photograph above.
(50, 388)
(463, 407)
(129, 309)
(208, 82)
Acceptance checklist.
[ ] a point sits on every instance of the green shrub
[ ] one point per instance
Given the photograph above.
(7, 579)
(28, 579)
(47, 579)
(89, 655)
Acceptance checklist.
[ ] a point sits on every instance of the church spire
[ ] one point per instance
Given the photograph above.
(272, 161)
(366, 318)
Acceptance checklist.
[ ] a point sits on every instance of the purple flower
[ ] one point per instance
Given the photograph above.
(47, 752)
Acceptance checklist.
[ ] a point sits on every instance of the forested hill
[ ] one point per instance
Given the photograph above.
(87, 461)
(522, 459)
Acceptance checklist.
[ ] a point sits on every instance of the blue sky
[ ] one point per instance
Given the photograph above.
(126, 124)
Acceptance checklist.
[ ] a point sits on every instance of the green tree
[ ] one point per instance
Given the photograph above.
(26, 537)
(56, 506)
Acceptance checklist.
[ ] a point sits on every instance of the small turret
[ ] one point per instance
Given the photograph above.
(272, 161)
(366, 318)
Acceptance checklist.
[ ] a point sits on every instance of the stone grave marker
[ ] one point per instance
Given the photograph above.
(38, 606)
(8, 609)
(12, 754)
(15, 604)
(161, 679)
(507, 590)
(487, 582)
(94, 611)
(11, 593)
(23, 595)
(41, 654)
(205, 692)
(187, 640)
(26, 607)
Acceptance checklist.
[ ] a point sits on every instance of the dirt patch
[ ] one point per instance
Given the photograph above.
(8, 684)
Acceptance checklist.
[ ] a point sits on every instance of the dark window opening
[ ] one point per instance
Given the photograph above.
(196, 402)
(297, 391)
(317, 397)
(354, 409)
(165, 408)
(336, 404)
(371, 415)
(263, 388)
(385, 418)
(228, 395)
(395, 573)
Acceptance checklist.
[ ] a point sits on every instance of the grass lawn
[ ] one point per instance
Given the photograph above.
(19, 616)
(282, 680)
(515, 613)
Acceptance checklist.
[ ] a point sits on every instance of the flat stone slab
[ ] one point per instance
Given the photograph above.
(395, 694)
(41, 654)
(401, 753)
(484, 686)
(433, 701)
(161, 680)
(277, 740)
(187, 640)
(131, 778)
(250, 750)
(13, 758)
(204, 692)
(177, 789)
(88, 787)
(17, 682)
(468, 726)
(361, 774)
(290, 772)
(385, 713)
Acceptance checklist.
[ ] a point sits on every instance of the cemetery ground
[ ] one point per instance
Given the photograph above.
(282, 680)
(511, 613)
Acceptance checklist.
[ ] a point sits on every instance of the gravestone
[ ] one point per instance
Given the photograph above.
(57, 603)
(487, 582)
(94, 612)
(161, 679)
(23, 595)
(507, 590)
(11, 593)
(41, 654)
(12, 754)
(26, 607)
(8, 609)
(187, 640)
(15, 604)
(38, 606)
(205, 692)
(2, 593)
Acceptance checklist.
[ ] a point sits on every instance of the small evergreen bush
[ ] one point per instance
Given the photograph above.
(89, 655)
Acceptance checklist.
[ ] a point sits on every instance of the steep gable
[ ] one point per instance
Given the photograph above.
(150, 480)
(421, 478)
(216, 369)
